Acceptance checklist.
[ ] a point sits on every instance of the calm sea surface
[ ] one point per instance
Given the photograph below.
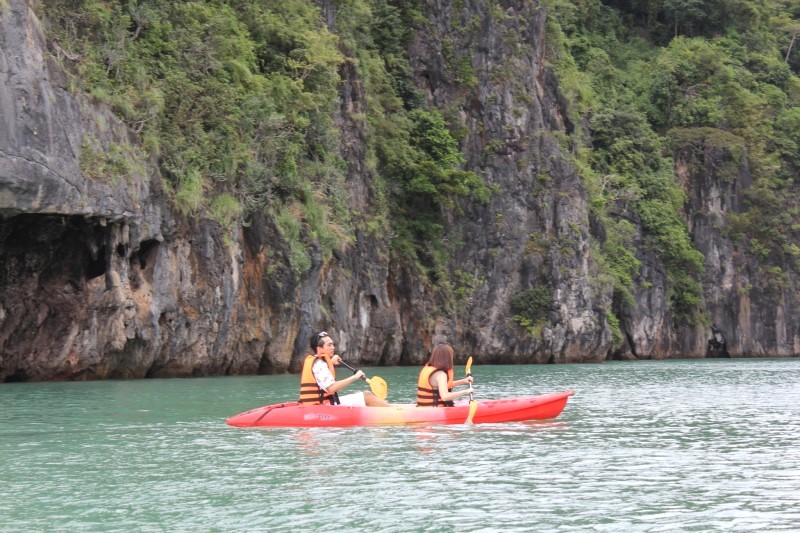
(642, 446)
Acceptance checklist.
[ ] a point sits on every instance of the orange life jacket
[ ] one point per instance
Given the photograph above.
(310, 391)
(428, 396)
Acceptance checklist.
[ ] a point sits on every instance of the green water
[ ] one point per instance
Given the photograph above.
(642, 446)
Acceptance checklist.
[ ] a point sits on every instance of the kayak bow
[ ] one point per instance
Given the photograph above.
(292, 414)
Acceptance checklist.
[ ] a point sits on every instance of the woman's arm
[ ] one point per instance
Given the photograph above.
(441, 383)
(459, 382)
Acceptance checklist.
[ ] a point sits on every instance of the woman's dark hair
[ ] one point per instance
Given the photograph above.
(441, 357)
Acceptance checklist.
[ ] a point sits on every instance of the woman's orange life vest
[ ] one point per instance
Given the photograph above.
(310, 391)
(428, 396)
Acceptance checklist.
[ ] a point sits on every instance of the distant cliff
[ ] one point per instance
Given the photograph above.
(101, 276)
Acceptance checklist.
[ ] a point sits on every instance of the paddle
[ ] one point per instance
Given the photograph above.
(378, 385)
(473, 405)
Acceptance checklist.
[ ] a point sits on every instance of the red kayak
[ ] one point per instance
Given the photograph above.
(292, 414)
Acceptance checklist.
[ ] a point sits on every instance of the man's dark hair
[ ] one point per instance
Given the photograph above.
(316, 340)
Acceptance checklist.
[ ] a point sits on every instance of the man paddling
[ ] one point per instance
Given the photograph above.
(318, 382)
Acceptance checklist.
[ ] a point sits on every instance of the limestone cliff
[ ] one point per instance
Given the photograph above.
(101, 278)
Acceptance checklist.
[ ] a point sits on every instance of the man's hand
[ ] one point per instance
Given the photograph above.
(336, 359)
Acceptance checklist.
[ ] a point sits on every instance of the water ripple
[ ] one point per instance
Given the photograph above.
(646, 446)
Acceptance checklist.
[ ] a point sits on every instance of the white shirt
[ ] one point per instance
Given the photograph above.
(325, 379)
(322, 374)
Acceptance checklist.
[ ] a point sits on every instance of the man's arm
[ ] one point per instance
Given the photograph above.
(327, 381)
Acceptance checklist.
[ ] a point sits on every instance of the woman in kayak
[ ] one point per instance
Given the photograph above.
(435, 383)
(318, 382)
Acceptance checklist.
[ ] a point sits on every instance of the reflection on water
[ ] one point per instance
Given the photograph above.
(645, 446)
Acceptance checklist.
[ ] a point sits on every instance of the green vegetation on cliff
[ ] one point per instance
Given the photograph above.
(657, 76)
(237, 99)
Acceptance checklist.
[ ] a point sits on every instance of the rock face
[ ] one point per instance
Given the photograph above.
(60, 233)
(535, 230)
(750, 314)
(100, 278)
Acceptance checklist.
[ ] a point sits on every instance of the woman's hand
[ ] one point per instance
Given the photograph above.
(466, 381)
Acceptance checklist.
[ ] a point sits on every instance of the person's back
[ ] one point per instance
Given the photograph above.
(435, 381)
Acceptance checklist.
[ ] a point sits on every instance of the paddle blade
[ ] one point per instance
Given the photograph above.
(379, 387)
(473, 406)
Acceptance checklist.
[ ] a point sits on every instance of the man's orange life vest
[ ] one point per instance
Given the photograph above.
(428, 396)
(310, 391)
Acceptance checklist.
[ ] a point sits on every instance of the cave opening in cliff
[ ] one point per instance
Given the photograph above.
(50, 248)
(145, 252)
(45, 264)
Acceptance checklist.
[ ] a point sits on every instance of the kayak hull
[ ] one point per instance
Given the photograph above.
(292, 414)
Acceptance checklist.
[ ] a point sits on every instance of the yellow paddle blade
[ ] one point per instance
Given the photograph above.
(378, 386)
(473, 406)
